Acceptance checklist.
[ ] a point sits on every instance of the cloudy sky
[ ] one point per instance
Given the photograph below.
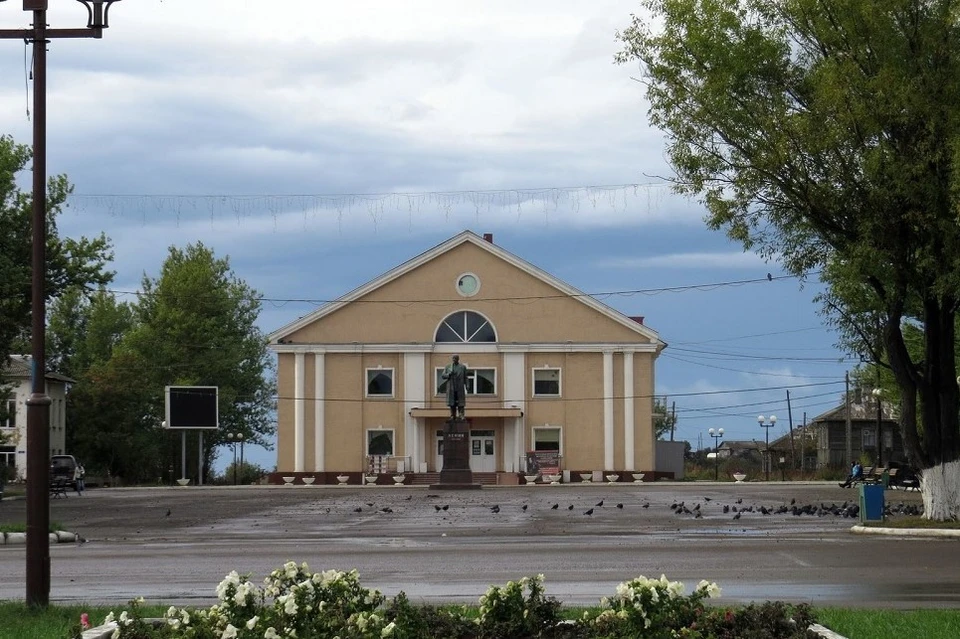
(319, 144)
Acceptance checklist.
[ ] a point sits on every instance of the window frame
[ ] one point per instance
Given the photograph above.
(533, 385)
(11, 420)
(378, 370)
(472, 376)
(462, 332)
(546, 427)
(392, 435)
(868, 438)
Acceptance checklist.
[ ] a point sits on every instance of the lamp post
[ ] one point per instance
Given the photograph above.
(877, 393)
(766, 426)
(38, 405)
(242, 439)
(717, 436)
(233, 438)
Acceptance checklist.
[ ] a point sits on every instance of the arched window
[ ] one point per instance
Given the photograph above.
(465, 326)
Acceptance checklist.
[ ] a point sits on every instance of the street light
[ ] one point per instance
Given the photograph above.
(38, 405)
(717, 436)
(877, 392)
(235, 438)
(766, 426)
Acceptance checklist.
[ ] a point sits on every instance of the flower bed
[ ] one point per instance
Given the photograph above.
(294, 603)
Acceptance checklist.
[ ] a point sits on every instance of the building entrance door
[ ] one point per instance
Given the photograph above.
(483, 458)
(438, 452)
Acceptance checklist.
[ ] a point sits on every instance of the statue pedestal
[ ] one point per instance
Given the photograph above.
(456, 473)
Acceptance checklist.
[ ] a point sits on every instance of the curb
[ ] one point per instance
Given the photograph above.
(815, 628)
(20, 538)
(905, 532)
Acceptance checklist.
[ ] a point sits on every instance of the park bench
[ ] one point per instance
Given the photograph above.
(58, 488)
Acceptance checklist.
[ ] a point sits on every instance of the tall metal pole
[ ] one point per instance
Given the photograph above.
(38, 405)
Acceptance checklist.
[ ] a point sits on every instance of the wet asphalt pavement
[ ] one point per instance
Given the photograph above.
(175, 544)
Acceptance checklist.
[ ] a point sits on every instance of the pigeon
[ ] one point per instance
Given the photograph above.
(495, 509)
(437, 508)
(524, 507)
(408, 498)
(386, 509)
(589, 512)
(740, 501)
(737, 516)
(708, 499)
(445, 507)
(620, 506)
(697, 507)
(570, 507)
(358, 509)
(600, 503)
(699, 515)
(645, 505)
(369, 504)
(168, 513)
(554, 507)
(793, 501)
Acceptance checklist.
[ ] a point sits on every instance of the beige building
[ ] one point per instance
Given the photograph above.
(551, 370)
(16, 380)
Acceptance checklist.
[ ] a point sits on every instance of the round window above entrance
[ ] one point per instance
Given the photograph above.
(468, 284)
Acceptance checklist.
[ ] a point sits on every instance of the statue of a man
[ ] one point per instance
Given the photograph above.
(455, 374)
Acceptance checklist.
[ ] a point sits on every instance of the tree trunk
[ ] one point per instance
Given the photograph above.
(940, 487)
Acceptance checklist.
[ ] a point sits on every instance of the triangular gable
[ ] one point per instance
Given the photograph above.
(440, 249)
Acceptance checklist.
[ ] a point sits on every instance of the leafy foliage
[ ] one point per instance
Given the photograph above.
(825, 135)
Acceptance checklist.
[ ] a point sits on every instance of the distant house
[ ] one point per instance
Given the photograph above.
(824, 439)
(16, 382)
(746, 449)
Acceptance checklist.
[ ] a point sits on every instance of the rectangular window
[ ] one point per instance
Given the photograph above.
(379, 382)
(546, 382)
(9, 418)
(480, 381)
(869, 438)
(380, 442)
(546, 438)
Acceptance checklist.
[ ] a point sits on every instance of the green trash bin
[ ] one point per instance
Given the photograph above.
(871, 502)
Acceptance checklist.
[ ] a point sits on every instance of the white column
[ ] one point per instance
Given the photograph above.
(319, 413)
(514, 396)
(628, 412)
(608, 410)
(414, 395)
(298, 405)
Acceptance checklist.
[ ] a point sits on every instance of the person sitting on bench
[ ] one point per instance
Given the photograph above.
(856, 474)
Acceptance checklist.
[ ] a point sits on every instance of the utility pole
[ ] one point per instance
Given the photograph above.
(793, 449)
(38, 405)
(846, 408)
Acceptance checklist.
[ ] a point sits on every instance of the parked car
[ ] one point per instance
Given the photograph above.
(63, 467)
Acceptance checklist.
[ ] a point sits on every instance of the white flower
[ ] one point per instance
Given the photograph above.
(253, 622)
(229, 632)
(184, 616)
(171, 611)
(139, 600)
(271, 633)
(388, 629)
(125, 619)
(116, 634)
(108, 618)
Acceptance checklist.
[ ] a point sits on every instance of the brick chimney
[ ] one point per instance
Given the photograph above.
(488, 237)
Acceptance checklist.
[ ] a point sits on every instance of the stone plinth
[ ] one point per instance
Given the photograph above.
(456, 473)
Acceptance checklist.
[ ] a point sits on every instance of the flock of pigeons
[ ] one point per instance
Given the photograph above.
(736, 510)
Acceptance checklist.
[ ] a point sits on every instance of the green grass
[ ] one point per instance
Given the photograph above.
(18, 621)
(19, 527)
(884, 624)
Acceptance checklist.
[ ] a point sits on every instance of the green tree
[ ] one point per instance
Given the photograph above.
(824, 135)
(70, 262)
(663, 419)
(196, 326)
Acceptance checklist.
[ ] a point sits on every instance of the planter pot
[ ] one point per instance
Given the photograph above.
(288, 480)
(553, 479)
(308, 480)
(612, 478)
(370, 479)
(586, 477)
(739, 477)
(638, 477)
(398, 480)
(183, 482)
(343, 479)
(531, 479)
